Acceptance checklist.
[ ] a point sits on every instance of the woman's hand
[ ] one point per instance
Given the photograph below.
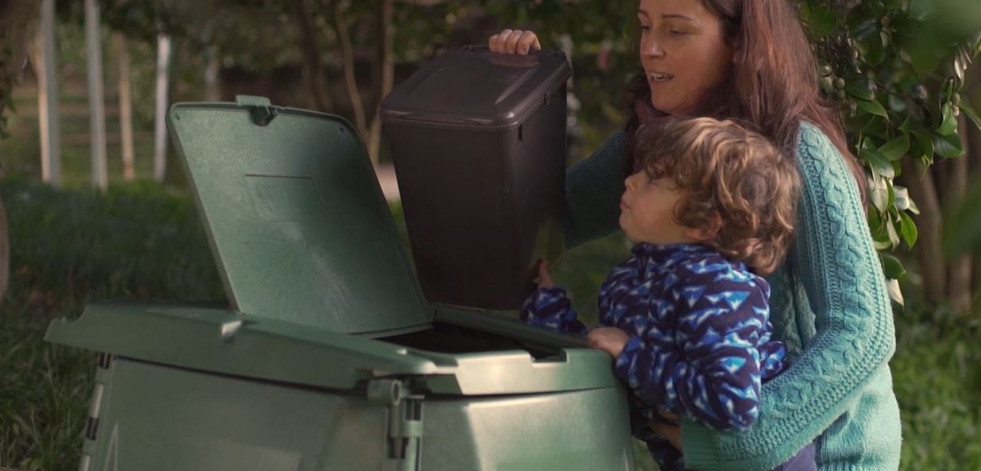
(514, 42)
(609, 339)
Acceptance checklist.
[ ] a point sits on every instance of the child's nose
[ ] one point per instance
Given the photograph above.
(630, 181)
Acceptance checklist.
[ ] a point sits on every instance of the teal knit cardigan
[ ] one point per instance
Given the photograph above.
(829, 304)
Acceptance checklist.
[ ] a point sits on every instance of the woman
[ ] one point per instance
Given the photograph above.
(750, 59)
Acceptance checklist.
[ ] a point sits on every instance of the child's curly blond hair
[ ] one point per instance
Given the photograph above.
(737, 185)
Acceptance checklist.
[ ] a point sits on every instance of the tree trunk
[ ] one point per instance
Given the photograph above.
(15, 16)
(313, 64)
(972, 94)
(386, 60)
(212, 91)
(97, 114)
(160, 114)
(928, 247)
(349, 79)
(45, 61)
(4, 251)
(960, 267)
(125, 108)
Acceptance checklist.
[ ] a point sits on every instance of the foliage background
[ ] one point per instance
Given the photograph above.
(905, 88)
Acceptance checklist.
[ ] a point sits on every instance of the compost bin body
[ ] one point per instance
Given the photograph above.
(328, 356)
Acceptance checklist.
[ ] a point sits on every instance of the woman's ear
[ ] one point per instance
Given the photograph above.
(736, 48)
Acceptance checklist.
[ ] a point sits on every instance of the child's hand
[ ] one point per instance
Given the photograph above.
(609, 339)
(544, 279)
(671, 433)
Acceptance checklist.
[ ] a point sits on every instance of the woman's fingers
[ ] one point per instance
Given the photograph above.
(513, 42)
(496, 42)
(528, 41)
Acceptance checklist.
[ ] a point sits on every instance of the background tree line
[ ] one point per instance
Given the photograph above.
(900, 70)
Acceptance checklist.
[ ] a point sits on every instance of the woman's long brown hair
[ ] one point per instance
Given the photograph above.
(772, 82)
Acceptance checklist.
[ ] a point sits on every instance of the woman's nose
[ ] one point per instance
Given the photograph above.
(650, 47)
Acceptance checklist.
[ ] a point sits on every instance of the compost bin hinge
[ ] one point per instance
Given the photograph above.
(404, 422)
(260, 108)
(102, 377)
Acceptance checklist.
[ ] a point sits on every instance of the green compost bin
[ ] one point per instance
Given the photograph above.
(328, 357)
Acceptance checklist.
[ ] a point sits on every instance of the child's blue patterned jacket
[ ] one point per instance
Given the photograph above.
(699, 336)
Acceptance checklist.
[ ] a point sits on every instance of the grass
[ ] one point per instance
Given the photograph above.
(70, 247)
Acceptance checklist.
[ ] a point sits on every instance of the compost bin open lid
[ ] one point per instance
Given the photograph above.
(295, 217)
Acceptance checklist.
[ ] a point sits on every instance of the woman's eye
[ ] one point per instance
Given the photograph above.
(677, 33)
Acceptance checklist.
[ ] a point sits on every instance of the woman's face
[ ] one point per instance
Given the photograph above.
(683, 51)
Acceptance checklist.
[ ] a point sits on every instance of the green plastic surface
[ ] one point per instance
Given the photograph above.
(329, 358)
(225, 342)
(197, 421)
(295, 217)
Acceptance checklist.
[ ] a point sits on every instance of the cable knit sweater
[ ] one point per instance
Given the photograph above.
(828, 305)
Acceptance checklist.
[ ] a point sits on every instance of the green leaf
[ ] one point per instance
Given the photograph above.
(896, 148)
(873, 107)
(893, 233)
(909, 231)
(892, 267)
(860, 90)
(948, 146)
(948, 125)
(913, 208)
(970, 113)
(876, 51)
(920, 9)
(879, 197)
(820, 21)
(905, 127)
(902, 200)
(879, 164)
(923, 58)
(895, 293)
(961, 62)
(925, 140)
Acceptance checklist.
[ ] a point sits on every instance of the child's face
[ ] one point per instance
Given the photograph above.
(647, 211)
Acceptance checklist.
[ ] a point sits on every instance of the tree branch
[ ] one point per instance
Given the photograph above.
(386, 60)
(960, 267)
(349, 79)
(928, 248)
(313, 64)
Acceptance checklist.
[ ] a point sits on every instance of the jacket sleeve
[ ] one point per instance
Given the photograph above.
(840, 272)
(592, 191)
(549, 308)
(709, 370)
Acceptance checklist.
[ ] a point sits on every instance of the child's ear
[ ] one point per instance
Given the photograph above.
(700, 235)
(706, 233)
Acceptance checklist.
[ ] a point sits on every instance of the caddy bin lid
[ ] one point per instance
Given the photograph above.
(295, 217)
(475, 87)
